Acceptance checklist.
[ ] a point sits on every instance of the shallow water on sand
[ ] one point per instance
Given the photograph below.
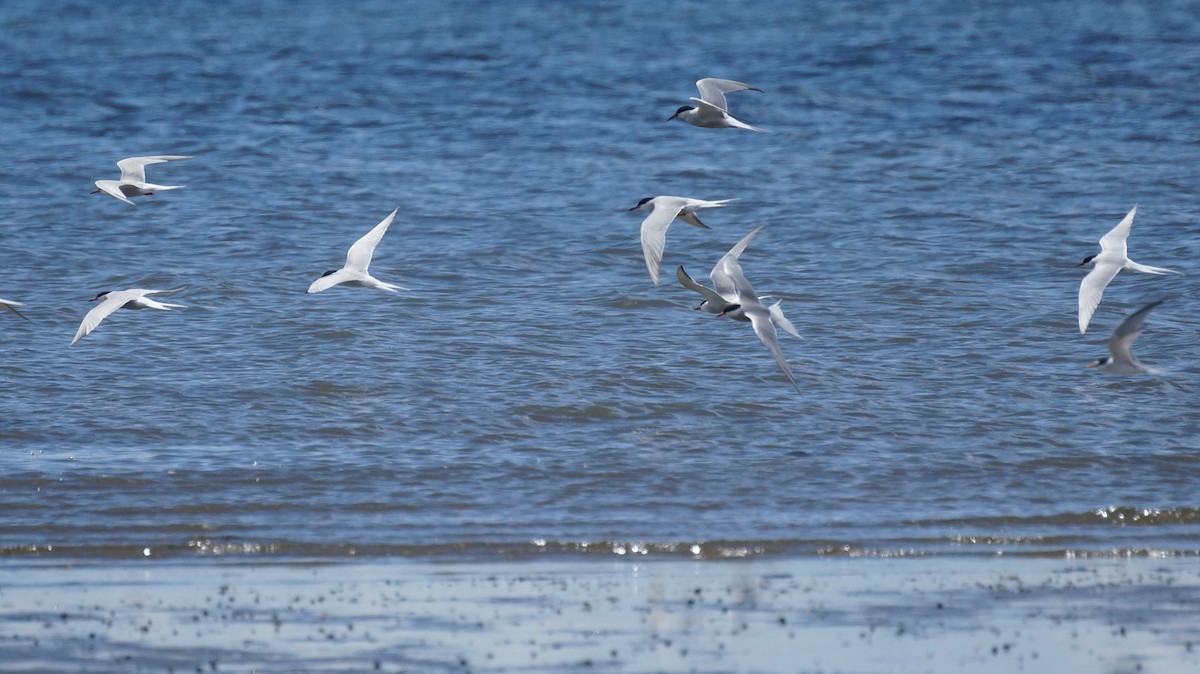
(785, 615)
(932, 174)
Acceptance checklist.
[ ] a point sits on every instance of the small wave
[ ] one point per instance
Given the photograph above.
(721, 550)
(1110, 515)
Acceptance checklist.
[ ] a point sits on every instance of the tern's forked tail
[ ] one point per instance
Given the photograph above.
(1145, 269)
(742, 125)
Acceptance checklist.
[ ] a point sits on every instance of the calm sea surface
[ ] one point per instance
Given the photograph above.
(933, 171)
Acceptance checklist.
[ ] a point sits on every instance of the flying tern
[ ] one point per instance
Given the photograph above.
(711, 111)
(724, 300)
(663, 211)
(1122, 360)
(358, 258)
(1111, 259)
(133, 178)
(12, 306)
(110, 301)
(735, 297)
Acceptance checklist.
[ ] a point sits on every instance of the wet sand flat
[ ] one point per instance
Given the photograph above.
(923, 614)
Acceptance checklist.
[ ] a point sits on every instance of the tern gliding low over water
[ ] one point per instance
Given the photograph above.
(133, 178)
(663, 211)
(711, 111)
(110, 301)
(1106, 265)
(358, 259)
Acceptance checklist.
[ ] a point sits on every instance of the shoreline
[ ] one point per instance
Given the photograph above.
(926, 614)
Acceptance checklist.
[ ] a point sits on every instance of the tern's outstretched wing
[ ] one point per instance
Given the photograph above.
(728, 267)
(133, 169)
(1091, 289)
(654, 232)
(713, 90)
(329, 280)
(716, 303)
(1115, 240)
(111, 302)
(358, 258)
(113, 189)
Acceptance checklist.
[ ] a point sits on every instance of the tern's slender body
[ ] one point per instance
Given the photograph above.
(1122, 360)
(110, 301)
(663, 211)
(133, 178)
(711, 111)
(1112, 258)
(358, 259)
(735, 297)
(12, 306)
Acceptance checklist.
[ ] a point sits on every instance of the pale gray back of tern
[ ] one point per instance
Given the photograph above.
(110, 301)
(1122, 360)
(1112, 258)
(10, 305)
(358, 259)
(133, 178)
(663, 211)
(711, 111)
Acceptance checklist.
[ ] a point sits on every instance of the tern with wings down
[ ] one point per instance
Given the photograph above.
(110, 301)
(663, 211)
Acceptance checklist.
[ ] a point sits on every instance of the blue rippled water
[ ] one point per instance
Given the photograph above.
(933, 170)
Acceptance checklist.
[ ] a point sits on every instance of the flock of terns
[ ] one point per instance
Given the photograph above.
(731, 295)
(133, 184)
